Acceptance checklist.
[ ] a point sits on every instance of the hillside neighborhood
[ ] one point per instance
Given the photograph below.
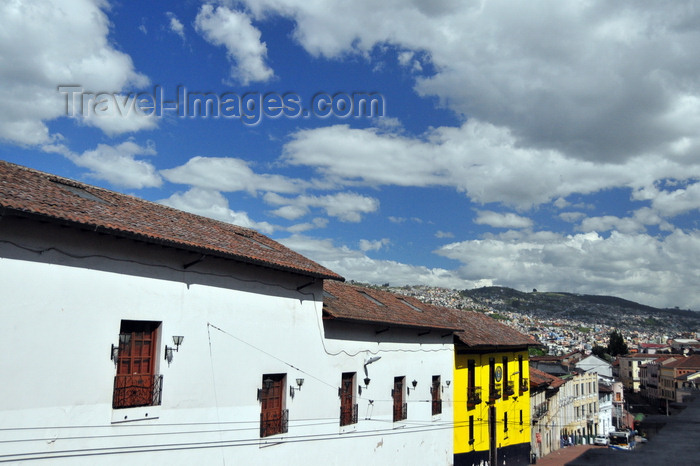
(149, 334)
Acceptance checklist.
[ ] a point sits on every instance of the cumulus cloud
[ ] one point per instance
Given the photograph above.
(115, 164)
(482, 160)
(175, 25)
(213, 204)
(230, 174)
(234, 30)
(501, 220)
(636, 266)
(347, 207)
(592, 81)
(373, 245)
(355, 265)
(45, 44)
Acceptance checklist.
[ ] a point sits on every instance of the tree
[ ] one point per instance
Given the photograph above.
(616, 344)
(601, 352)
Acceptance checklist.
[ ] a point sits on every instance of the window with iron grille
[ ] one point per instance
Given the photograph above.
(348, 409)
(273, 416)
(137, 382)
(400, 407)
(436, 392)
(471, 430)
(473, 392)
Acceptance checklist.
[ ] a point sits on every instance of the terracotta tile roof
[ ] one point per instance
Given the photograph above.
(343, 301)
(540, 379)
(689, 362)
(480, 331)
(31, 193)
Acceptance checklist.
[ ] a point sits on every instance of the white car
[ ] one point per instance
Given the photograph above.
(601, 440)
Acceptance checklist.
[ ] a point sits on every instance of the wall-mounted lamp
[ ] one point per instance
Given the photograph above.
(124, 339)
(300, 382)
(267, 384)
(177, 341)
(359, 387)
(414, 383)
(447, 382)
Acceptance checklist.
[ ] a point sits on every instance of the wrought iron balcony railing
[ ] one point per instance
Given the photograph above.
(495, 392)
(437, 407)
(510, 388)
(348, 415)
(524, 385)
(131, 391)
(271, 424)
(473, 395)
(400, 412)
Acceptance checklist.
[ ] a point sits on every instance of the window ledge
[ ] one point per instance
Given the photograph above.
(142, 413)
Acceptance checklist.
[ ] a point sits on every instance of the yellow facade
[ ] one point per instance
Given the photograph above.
(486, 374)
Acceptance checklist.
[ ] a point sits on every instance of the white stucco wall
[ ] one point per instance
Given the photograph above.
(65, 294)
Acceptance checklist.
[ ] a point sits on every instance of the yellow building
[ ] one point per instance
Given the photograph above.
(491, 393)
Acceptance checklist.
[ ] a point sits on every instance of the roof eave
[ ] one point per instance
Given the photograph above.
(119, 233)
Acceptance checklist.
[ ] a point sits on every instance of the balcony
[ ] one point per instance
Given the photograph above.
(524, 385)
(436, 407)
(473, 396)
(348, 415)
(271, 424)
(539, 411)
(510, 388)
(400, 412)
(495, 392)
(135, 390)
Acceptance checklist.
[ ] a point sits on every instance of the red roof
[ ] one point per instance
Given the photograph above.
(343, 301)
(482, 331)
(689, 362)
(31, 193)
(540, 378)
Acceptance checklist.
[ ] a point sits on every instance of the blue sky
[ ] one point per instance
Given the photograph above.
(524, 144)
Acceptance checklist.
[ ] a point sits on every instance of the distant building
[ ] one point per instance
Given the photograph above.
(593, 363)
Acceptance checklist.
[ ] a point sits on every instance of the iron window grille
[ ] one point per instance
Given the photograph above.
(524, 385)
(437, 407)
(401, 412)
(348, 416)
(131, 391)
(495, 392)
(474, 395)
(274, 424)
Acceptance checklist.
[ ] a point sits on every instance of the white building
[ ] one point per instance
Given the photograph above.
(593, 363)
(135, 332)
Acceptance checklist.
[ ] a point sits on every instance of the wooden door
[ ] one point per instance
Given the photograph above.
(134, 382)
(271, 399)
(347, 410)
(398, 398)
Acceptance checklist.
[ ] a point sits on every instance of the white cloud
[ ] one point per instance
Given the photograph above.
(115, 164)
(571, 217)
(502, 220)
(636, 266)
(230, 174)
(213, 204)
(355, 265)
(444, 234)
(45, 44)
(234, 30)
(373, 245)
(347, 207)
(175, 25)
(486, 162)
(589, 80)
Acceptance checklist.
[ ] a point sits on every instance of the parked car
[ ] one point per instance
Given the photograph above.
(601, 440)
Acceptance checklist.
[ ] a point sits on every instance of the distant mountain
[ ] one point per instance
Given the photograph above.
(592, 308)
